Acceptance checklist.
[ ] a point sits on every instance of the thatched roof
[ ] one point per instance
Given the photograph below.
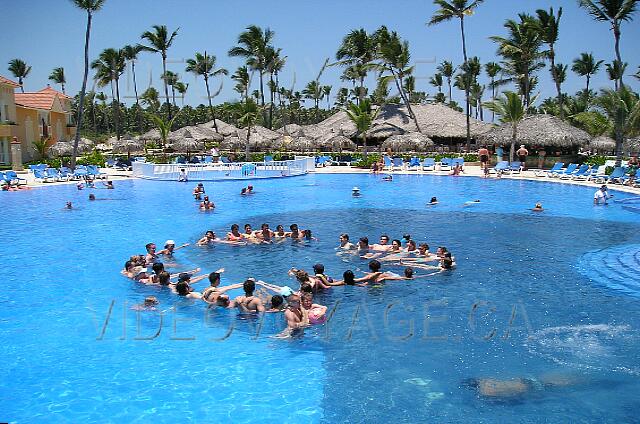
(632, 145)
(261, 138)
(300, 144)
(539, 130)
(336, 143)
(151, 135)
(293, 130)
(223, 128)
(197, 133)
(127, 144)
(411, 142)
(603, 143)
(384, 130)
(232, 143)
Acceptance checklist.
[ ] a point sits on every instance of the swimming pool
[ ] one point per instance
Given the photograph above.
(546, 290)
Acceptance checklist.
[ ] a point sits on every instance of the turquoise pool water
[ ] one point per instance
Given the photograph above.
(554, 293)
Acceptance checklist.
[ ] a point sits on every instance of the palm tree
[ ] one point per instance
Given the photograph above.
(326, 92)
(171, 79)
(476, 92)
(447, 70)
(249, 113)
(313, 91)
(253, 45)
(586, 66)
(521, 50)
(109, 66)
(150, 97)
(457, 9)
(615, 71)
(57, 76)
(159, 41)
(357, 51)
(548, 27)
(20, 70)
(511, 110)
(437, 82)
(205, 66)
(164, 127)
(622, 107)
(103, 100)
(492, 69)
(181, 88)
(362, 115)
(89, 6)
(243, 80)
(394, 55)
(130, 54)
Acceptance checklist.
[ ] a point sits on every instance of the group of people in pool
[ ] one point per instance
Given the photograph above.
(263, 235)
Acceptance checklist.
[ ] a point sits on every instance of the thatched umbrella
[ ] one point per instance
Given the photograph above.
(128, 144)
(198, 132)
(603, 144)
(151, 135)
(61, 148)
(539, 130)
(411, 142)
(384, 130)
(632, 145)
(225, 129)
(233, 143)
(294, 130)
(301, 144)
(186, 142)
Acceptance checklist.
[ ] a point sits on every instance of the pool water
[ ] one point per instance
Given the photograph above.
(534, 295)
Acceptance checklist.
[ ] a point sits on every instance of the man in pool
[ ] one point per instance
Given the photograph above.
(355, 192)
(265, 235)
(182, 176)
(248, 302)
(383, 246)
(344, 242)
(601, 196)
(151, 256)
(295, 315)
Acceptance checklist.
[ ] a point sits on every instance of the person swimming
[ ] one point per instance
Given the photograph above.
(315, 312)
(234, 234)
(470, 203)
(207, 204)
(355, 192)
(538, 207)
(388, 177)
(433, 201)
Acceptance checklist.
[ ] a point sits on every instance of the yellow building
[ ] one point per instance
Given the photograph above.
(8, 117)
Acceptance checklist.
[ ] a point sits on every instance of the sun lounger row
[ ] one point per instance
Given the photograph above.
(414, 164)
(11, 178)
(45, 174)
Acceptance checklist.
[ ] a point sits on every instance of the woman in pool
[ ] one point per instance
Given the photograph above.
(234, 234)
(306, 234)
(316, 313)
(248, 234)
(170, 247)
(348, 279)
(198, 191)
(318, 270)
(207, 204)
(183, 288)
(280, 233)
(433, 201)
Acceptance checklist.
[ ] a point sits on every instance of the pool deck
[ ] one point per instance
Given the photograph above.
(469, 171)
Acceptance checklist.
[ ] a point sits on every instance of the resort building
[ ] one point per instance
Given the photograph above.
(32, 116)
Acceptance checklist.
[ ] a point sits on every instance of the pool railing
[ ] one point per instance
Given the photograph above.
(301, 165)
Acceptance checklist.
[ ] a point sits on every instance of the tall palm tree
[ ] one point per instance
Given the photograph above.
(326, 92)
(57, 76)
(521, 51)
(613, 12)
(103, 101)
(492, 69)
(362, 115)
(159, 41)
(109, 66)
(410, 86)
(249, 113)
(549, 28)
(181, 88)
(243, 81)
(150, 97)
(171, 79)
(476, 92)
(205, 66)
(313, 91)
(163, 125)
(130, 54)
(615, 71)
(437, 82)
(357, 51)
(511, 110)
(586, 66)
(622, 107)
(447, 70)
(457, 9)
(253, 45)
(274, 64)
(20, 70)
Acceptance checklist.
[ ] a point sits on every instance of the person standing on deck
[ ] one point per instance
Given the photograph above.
(522, 156)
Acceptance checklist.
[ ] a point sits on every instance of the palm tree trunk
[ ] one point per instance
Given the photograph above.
(405, 100)
(364, 145)
(514, 134)
(273, 99)
(618, 123)
(246, 151)
(135, 90)
(166, 88)
(116, 123)
(213, 114)
(173, 95)
(93, 115)
(588, 78)
(361, 91)
(449, 83)
(264, 115)
(82, 91)
(554, 75)
(63, 88)
(119, 127)
(466, 89)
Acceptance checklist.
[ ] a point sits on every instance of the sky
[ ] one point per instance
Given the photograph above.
(50, 33)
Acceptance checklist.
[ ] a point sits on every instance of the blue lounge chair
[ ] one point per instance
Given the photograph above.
(581, 173)
(613, 177)
(414, 164)
(208, 159)
(3, 178)
(80, 172)
(457, 161)
(501, 167)
(567, 172)
(554, 172)
(65, 173)
(268, 158)
(39, 175)
(445, 164)
(388, 164)
(515, 167)
(556, 167)
(224, 159)
(429, 164)
(11, 176)
(398, 163)
(94, 171)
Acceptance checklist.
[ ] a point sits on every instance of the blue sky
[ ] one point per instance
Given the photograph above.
(50, 33)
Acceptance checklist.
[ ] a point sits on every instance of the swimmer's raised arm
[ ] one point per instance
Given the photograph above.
(193, 271)
(229, 287)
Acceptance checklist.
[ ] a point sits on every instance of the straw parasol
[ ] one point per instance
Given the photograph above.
(232, 143)
(128, 144)
(223, 128)
(61, 148)
(294, 130)
(411, 142)
(199, 133)
(151, 135)
(603, 143)
(540, 130)
(301, 144)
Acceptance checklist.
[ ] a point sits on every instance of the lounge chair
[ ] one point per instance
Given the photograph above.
(80, 172)
(556, 168)
(388, 164)
(39, 175)
(208, 159)
(429, 164)
(579, 172)
(94, 171)
(457, 161)
(501, 167)
(11, 176)
(585, 175)
(65, 173)
(514, 168)
(567, 172)
(414, 164)
(398, 164)
(445, 164)
(266, 159)
(224, 159)
(597, 173)
(613, 177)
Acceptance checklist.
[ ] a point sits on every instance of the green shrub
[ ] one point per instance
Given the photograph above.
(93, 158)
(595, 160)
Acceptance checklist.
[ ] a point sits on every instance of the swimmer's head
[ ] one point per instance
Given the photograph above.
(349, 277)
(92, 197)
(384, 239)
(411, 245)
(363, 242)
(249, 286)
(406, 237)
(374, 266)
(301, 275)
(423, 247)
(279, 228)
(210, 234)
(306, 287)
(307, 300)
(214, 279)
(150, 301)
(344, 237)
(434, 199)
(164, 278)
(396, 244)
(294, 301)
(157, 267)
(223, 300)
(277, 301)
(169, 244)
(408, 272)
(184, 277)
(318, 269)
(183, 288)
(235, 227)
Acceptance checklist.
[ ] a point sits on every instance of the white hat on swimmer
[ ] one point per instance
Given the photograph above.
(169, 243)
(355, 189)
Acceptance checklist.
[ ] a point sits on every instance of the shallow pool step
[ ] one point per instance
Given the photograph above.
(617, 268)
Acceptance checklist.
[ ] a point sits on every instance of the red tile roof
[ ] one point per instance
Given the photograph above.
(42, 101)
(48, 89)
(7, 81)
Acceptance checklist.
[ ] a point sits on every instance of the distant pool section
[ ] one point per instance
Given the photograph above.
(301, 165)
